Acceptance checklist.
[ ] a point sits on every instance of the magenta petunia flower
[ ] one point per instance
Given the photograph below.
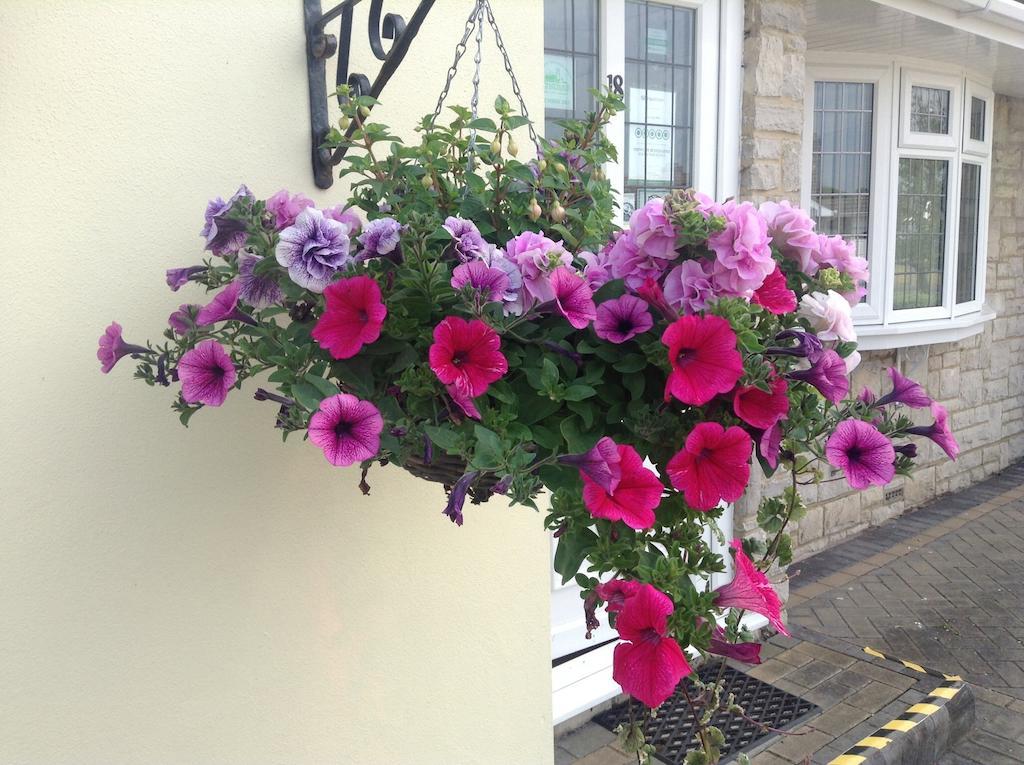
(748, 653)
(467, 355)
(464, 401)
(759, 408)
(286, 208)
(750, 590)
(258, 290)
(537, 257)
(224, 307)
(863, 453)
(615, 592)
(828, 374)
(712, 466)
(650, 665)
(904, 391)
(184, 319)
(314, 249)
(770, 445)
(112, 347)
(492, 283)
(353, 316)
(651, 293)
(704, 359)
(774, 295)
(573, 296)
(347, 429)
(602, 464)
(939, 431)
(206, 374)
(634, 498)
(688, 287)
(179, 277)
(622, 319)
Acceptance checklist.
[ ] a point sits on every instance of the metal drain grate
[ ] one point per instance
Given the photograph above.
(672, 731)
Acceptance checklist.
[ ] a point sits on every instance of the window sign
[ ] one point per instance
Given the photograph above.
(650, 154)
(657, 42)
(558, 82)
(651, 106)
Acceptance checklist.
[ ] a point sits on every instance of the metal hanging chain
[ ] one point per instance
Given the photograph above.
(459, 50)
(512, 76)
(474, 102)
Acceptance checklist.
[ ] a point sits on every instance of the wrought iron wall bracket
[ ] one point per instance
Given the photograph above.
(321, 46)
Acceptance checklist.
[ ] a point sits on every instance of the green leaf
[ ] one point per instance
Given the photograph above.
(548, 374)
(572, 550)
(578, 439)
(483, 123)
(325, 387)
(488, 447)
(634, 362)
(578, 393)
(444, 437)
(308, 396)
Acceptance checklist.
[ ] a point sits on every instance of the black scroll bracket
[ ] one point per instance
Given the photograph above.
(320, 46)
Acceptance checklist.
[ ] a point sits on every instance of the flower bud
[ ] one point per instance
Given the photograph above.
(535, 212)
(364, 111)
(542, 165)
(496, 146)
(513, 147)
(427, 182)
(344, 121)
(557, 213)
(560, 168)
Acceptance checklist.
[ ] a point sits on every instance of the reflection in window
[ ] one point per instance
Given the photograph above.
(660, 46)
(967, 251)
(570, 61)
(929, 110)
(977, 119)
(841, 160)
(920, 232)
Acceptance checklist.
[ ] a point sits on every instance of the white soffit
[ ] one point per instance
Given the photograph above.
(983, 36)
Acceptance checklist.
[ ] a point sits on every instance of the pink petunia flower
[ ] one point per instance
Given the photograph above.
(347, 215)
(573, 297)
(652, 231)
(760, 409)
(492, 283)
(750, 590)
(224, 307)
(622, 319)
(792, 231)
(183, 320)
(347, 429)
(206, 374)
(904, 391)
(602, 464)
(353, 316)
(688, 287)
(463, 401)
(743, 246)
(615, 593)
(467, 355)
(286, 208)
(863, 453)
(112, 347)
(634, 498)
(537, 256)
(712, 466)
(939, 431)
(774, 295)
(770, 445)
(650, 665)
(704, 359)
(632, 264)
(829, 315)
(828, 374)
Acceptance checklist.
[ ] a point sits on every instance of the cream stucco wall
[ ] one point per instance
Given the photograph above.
(213, 595)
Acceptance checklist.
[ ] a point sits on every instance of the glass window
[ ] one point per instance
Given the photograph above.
(977, 131)
(660, 42)
(841, 160)
(570, 60)
(920, 232)
(929, 110)
(970, 215)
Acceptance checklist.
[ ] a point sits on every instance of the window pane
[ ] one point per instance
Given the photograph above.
(841, 160)
(967, 251)
(977, 119)
(929, 110)
(660, 43)
(920, 233)
(570, 60)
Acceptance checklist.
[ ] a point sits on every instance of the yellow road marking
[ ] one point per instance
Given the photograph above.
(900, 725)
(848, 759)
(924, 709)
(876, 742)
(945, 693)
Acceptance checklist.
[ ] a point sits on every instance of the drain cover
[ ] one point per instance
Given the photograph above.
(672, 732)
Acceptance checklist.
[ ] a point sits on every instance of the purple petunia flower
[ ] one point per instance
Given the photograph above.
(573, 297)
(622, 319)
(183, 320)
(112, 347)
(602, 464)
(907, 450)
(457, 497)
(770, 445)
(688, 287)
(514, 297)
(179, 277)
(598, 270)
(807, 345)
(286, 208)
(863, 453)
(347, 429)
(748, 653)
(904, 391)
(226, 235)
(380, 238)
(939, 431)
(492, 283)
(224, 307)
(827, 374)
(467, 241)
(258, 290)
(206, 374)
(314, 249)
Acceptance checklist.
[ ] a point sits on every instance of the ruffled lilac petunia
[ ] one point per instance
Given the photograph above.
(467, 241)
(380, 238)
(224, 307)
(688, 287)
(828, 374)
(492, 283)
(206, 374)
(224, 234)
(286, 208)
(112, 347)
(904, 391)
(537, 257)
(862, 452)
(314, 250)
(258, 290)
(179, 277)
(939, 431)
(622, 319)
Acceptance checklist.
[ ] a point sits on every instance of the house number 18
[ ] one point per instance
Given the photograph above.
(615, 84)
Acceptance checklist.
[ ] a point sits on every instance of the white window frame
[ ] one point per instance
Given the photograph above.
(879, 324)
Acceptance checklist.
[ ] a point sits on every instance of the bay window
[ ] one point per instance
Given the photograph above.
(898, 163)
